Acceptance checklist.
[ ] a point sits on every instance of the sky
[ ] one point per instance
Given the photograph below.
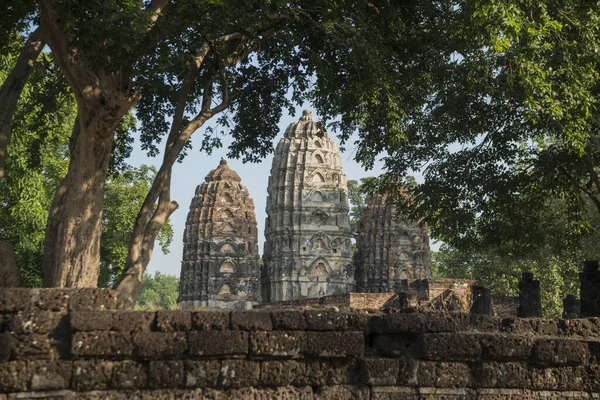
(186, 176)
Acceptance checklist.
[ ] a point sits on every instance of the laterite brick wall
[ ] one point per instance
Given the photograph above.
(72, 344)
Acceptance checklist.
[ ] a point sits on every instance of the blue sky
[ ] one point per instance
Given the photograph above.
(187, 175)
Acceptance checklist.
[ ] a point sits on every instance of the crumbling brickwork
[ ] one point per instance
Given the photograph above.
(390, 248)
(220, 251)
(74, 344)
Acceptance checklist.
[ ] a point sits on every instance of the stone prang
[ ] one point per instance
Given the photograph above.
(220, 253)
(390, 248)
(308, 251)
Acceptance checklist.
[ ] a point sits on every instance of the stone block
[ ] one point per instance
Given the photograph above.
(201, 373)
(161, 394)
(251, 321)
(159, 345)
(173, 320)
(282, 373)
(14, 376)
(546, 327)
(521, 394)
(34, 346)
(284, 393)
(5, 346)
(210, 320)
(408, 372)
(484, 323)
(446, 394)
(592, 381)
(594, 347)
(14, 299)
(34, 321)
(165, 374)
(346, 392)
(394, 393)
(395, 345)
(92, 299)
(498, 347)
(278, 343)
(239, 373)
(340, 371)
(133, 321)
(85, 321)
(501, 375)
(129, 375)
(558, 378)
(92, 375)
(516, 326)
(397, 323)
(289, 320)
(215, 343)
(233, 394)
(451, 347)
(584, 327)
(443, 374)
(590, 289)
(482, 300)
(446, 322)
(380, 371)
(326, 320)
(335, 344)
(230, 394)
(49, 375)
(530, 302)
(547, 352)
(108, 345)
(51, 299)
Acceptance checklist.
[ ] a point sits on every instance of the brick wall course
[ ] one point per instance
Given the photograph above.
(64, 351)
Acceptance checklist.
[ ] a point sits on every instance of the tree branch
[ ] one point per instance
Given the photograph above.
(148, 222)
(578, 185)
(156, 7)
(590, 167)
(11, 89)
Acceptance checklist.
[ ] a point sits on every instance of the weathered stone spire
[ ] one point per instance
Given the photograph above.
(389, 248)
(308, 250)
(220, 253)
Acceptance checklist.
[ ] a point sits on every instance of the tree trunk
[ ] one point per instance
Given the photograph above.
(72, 243)
(12, 88)
(10, 276)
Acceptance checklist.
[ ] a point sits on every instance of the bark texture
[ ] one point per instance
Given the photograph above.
(10, 276)
(72, 245)
(13, 87)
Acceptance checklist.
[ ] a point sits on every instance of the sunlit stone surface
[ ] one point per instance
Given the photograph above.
(220, 256)
(308, 250)
(389, 248)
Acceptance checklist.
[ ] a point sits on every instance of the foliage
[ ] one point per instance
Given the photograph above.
(508, 139)
(158, 292)
(123, 197)
(37, 160)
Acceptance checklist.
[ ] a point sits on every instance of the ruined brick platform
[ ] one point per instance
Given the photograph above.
(76, 344)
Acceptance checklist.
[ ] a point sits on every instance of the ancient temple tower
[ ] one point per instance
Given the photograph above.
(389, 248)
(308, 251)
(220, 251)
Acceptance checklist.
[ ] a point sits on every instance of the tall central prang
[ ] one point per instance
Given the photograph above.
(308, 252)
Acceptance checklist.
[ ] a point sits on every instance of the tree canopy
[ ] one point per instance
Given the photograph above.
(508, 137)
(159, 291)
(38, 160)
(495, 101)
